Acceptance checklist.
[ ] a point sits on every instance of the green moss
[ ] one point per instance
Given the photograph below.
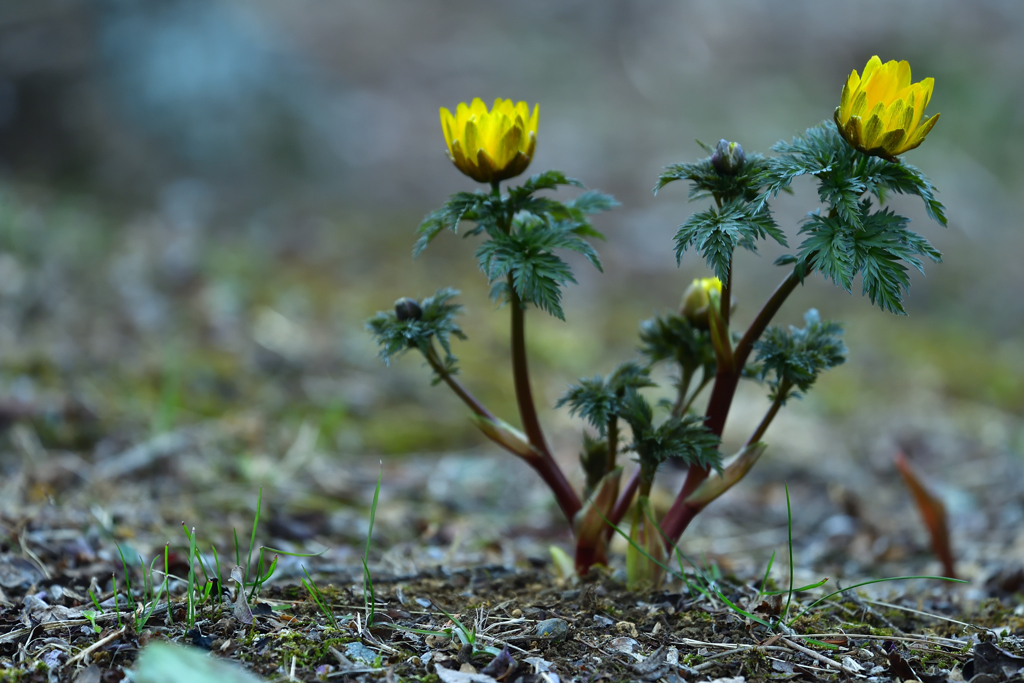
(308, 653)
(692, 659)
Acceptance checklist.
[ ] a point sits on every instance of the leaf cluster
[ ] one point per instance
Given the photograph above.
(396, 336)
(524, 232)
(851, 238)
(878, 249)
(598, 400)
(795, 357)
(845, 173)
(672, 337)
(716, 232)
(707, 181)
(684, 438)
(847, 240)
(739, 217)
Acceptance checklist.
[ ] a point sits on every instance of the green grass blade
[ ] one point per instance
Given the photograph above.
(252, 537)
(868, 583)
(810, 586)
(370, 606)
(745, 613)
(789, 528)
(764, 581)
(467, 636)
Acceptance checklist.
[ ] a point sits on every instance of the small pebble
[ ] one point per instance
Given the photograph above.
(516, 613)
(622, 644)
(437, 641)
(552, 628)
(360, 652)
(626, 627)
(601, 620)
(852, 665)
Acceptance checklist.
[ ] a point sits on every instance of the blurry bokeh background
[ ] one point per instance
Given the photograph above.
(202, 200)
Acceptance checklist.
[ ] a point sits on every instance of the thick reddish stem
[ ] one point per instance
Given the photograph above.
(681, 513)
(625, 500)
(545, 465)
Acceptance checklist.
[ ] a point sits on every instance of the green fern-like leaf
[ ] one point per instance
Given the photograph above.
(716, 232)
(686, 439)
(437, 322)
(597, 399)
(792, 359)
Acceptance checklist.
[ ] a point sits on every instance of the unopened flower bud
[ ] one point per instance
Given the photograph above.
(408, 309)
(728, 158)
(698, 298)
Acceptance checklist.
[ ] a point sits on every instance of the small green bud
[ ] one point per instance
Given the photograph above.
(408, 309)
(698, 298)
(728, 158)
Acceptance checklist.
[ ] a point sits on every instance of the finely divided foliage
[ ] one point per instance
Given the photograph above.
(794, 358)
(598, 400)
(437, 322)
(849, 239)
(684, 438)
(525, 234)
(524, 231)
(716, 232)
(736, 220)
(672, 337)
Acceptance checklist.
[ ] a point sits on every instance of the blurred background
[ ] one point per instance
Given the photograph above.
(202, 200)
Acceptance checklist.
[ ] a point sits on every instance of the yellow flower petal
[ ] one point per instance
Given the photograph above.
(918, 136)
(902, 75)
(860, 104)
(880, 113)
(522, 110)
(509, 146)
(846, 100)
(891, 141)
(873, 130)
(873, 65)
(490, 146)
(895, 115)
(448, 127)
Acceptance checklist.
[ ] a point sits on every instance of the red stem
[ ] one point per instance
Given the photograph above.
(460, 391)
(545, 465)
(681, 513)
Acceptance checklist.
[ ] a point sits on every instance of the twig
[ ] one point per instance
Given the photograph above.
(97, 645)
(828, 661)
(12, 636)
(951, 642)
(711, 660)
(870, 610)
(923, 614)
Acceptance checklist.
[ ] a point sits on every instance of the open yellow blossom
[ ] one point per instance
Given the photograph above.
(490, 146)
(880, 113)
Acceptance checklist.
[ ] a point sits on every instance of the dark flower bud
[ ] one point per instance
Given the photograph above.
(408, 309)
(728, 158)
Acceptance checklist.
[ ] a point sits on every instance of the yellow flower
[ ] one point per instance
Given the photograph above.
(491, 146)
(880, 113)
(697, 299)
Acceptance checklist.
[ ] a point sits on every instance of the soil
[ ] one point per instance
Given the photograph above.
(225, 395)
